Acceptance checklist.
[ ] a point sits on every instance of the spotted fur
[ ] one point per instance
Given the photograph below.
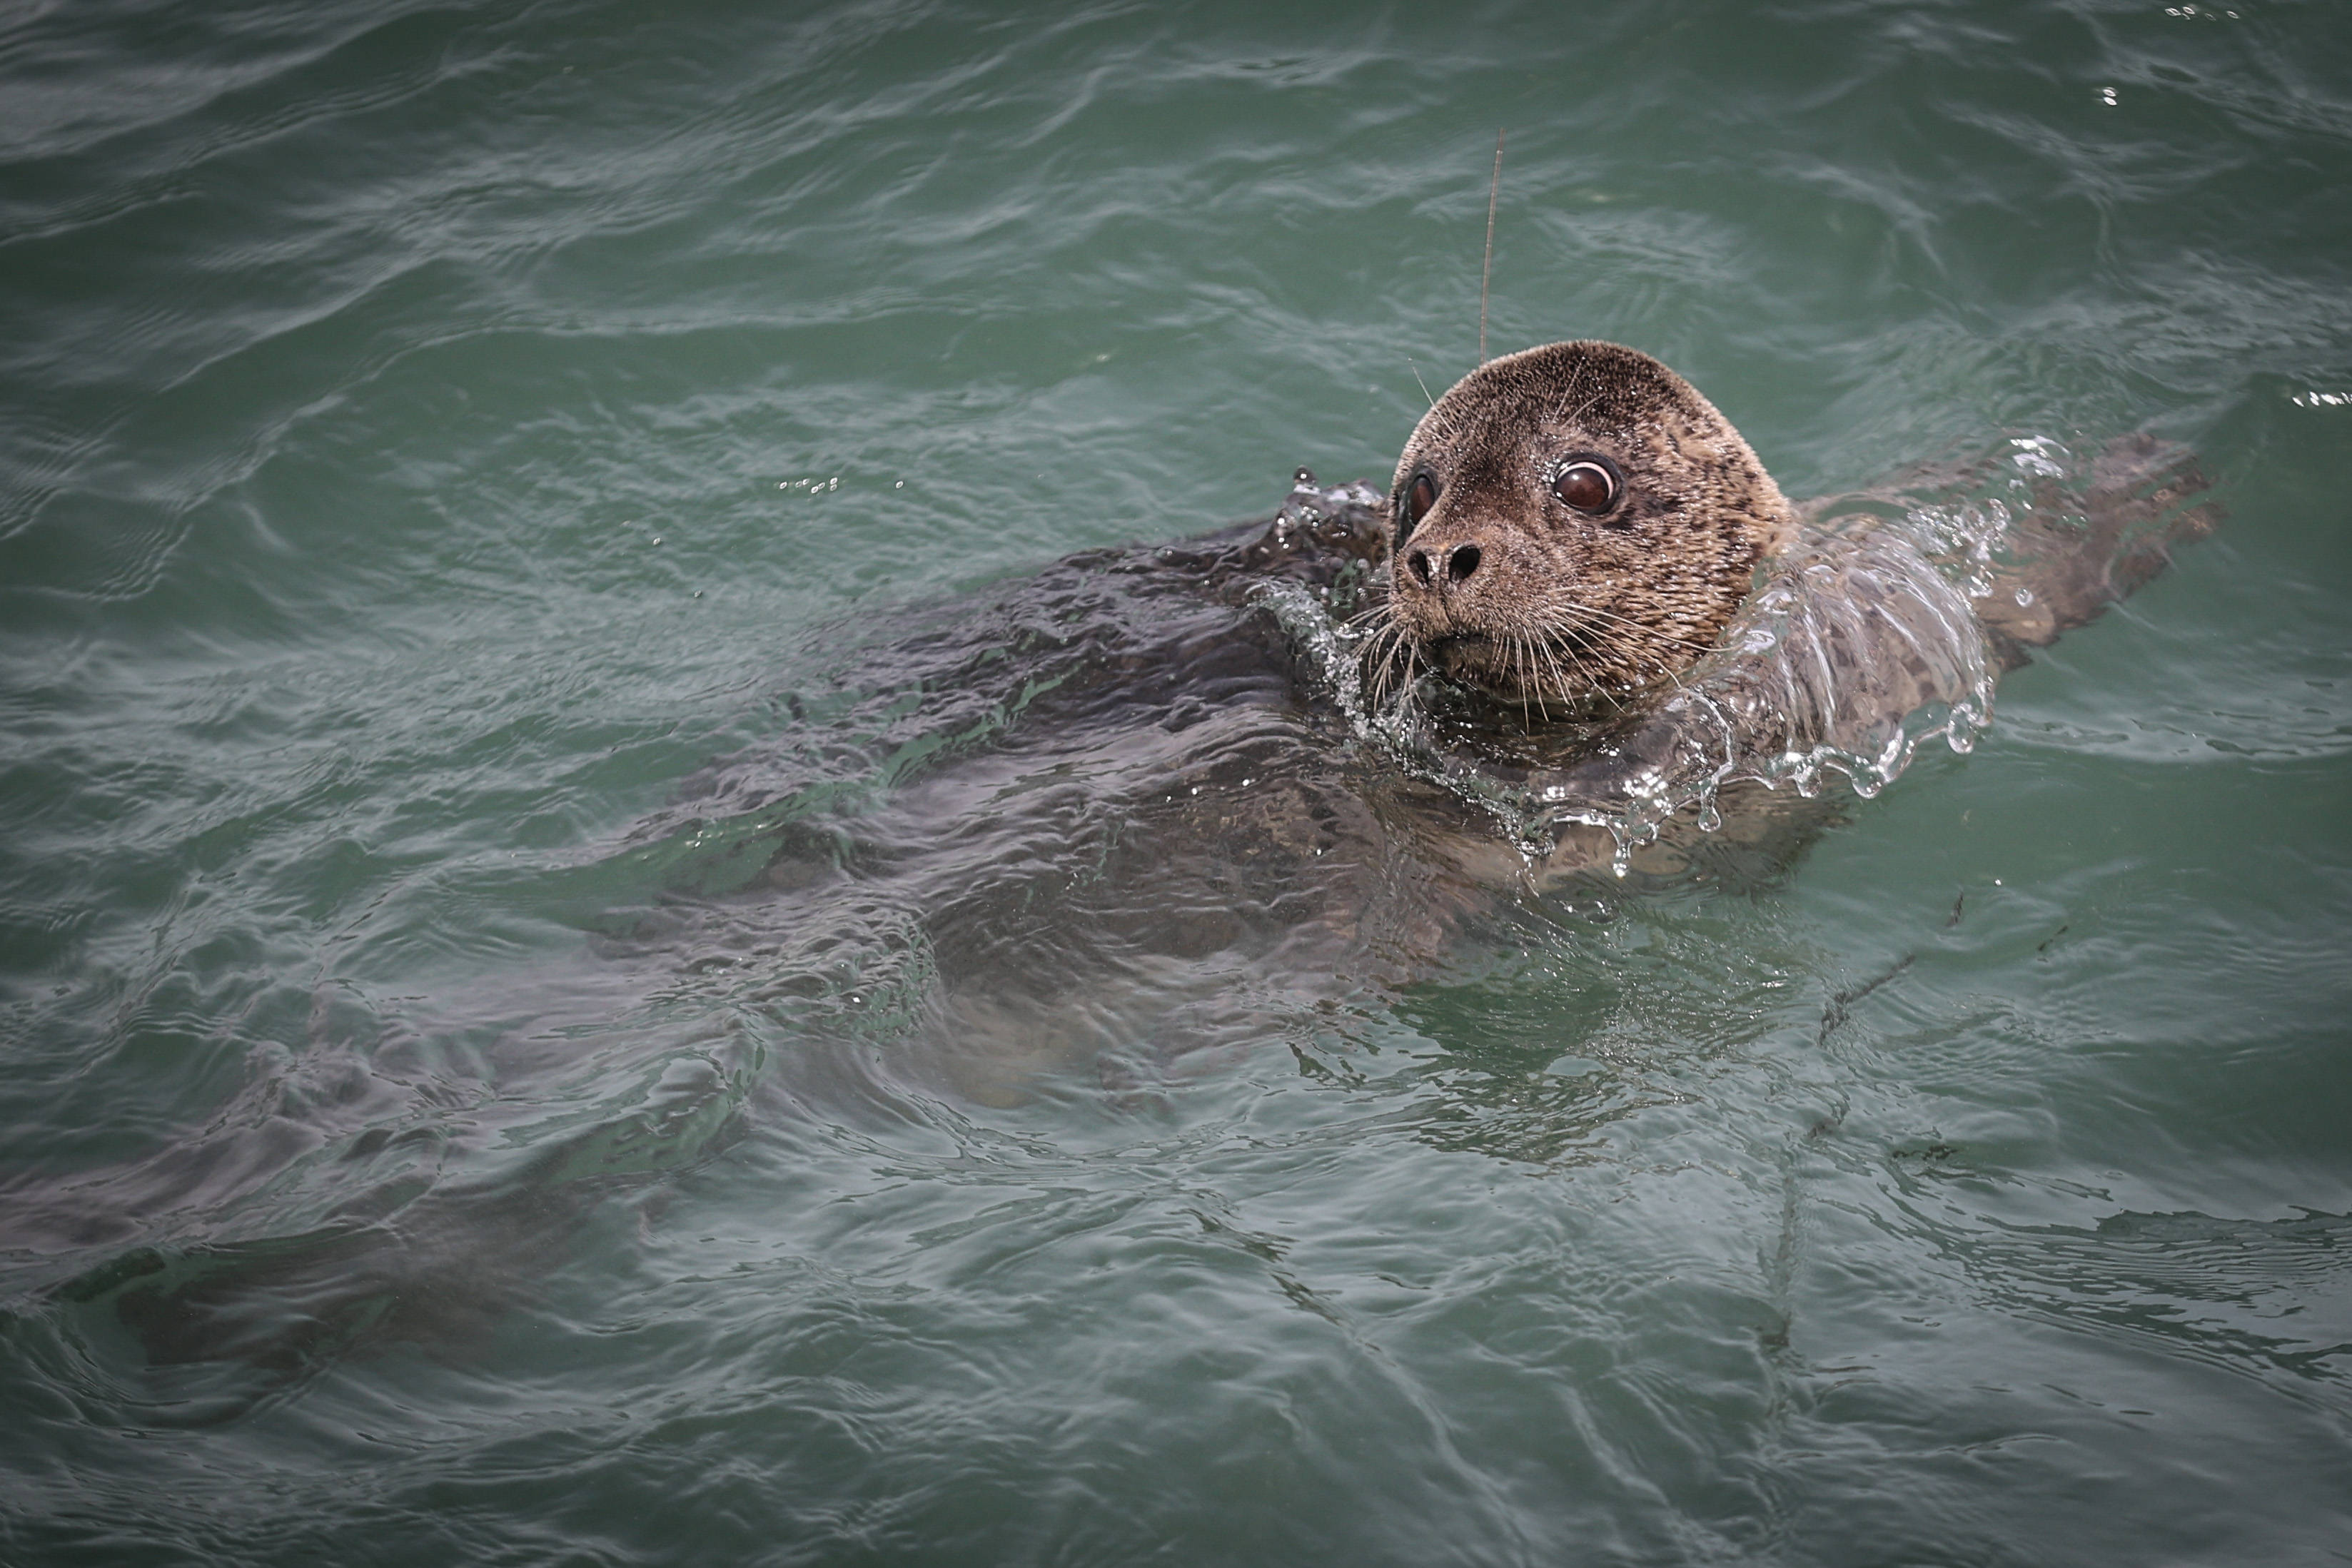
(1559, 608)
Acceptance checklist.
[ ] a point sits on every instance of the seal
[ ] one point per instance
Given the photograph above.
(1572, 521)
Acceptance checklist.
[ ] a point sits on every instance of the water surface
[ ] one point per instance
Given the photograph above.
(421, 428)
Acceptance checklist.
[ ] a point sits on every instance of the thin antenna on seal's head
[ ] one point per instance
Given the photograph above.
(1487, 271)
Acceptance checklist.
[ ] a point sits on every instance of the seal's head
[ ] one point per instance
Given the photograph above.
(1572, 522)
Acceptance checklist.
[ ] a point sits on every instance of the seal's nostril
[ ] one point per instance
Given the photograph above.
(1461, 563)
(1419, 561)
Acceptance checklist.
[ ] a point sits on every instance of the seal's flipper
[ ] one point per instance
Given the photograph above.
(2069, 554)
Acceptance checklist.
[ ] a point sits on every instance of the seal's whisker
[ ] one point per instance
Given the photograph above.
(1373, 624)
(1596, 613)
(1583, 374)
(1537, 655)
(1554, 649)
(1644, 628)
(1525, 677)
(1378, 659)
(1592, 681)
(1382, 654)
(1587, 663)
(1391, 683)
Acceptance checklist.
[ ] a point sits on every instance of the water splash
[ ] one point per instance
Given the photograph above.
(1861, 647)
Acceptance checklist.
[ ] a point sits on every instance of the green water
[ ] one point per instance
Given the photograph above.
(404, 495)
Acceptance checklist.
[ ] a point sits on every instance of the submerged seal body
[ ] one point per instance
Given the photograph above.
(1148, 800)
(1143, 802)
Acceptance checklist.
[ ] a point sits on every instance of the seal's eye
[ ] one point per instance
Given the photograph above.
(1590, 485)
(1419, 497)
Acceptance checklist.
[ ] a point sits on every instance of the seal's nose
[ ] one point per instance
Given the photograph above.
(1460, 562)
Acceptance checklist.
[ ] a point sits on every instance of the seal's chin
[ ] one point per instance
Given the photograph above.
(1468, 659)
(1505, 675)
(1493, 667)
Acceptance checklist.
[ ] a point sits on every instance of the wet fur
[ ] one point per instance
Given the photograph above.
(1564, 609)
